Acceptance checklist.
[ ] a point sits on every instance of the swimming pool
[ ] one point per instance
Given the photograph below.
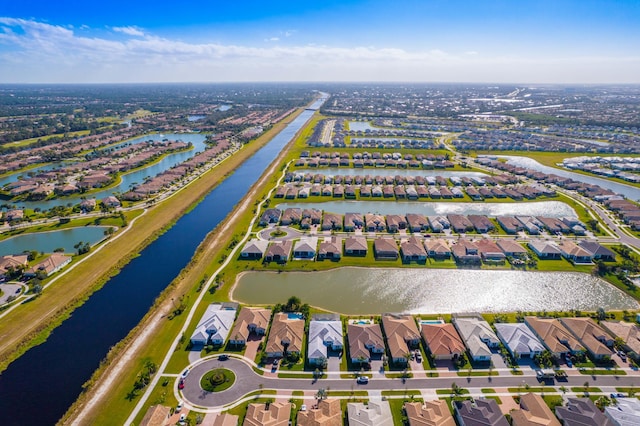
(438, 321)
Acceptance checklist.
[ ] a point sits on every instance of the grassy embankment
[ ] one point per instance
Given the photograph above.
(115, 407)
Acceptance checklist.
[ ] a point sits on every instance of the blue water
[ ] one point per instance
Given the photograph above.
(38, 387)
(47, 242)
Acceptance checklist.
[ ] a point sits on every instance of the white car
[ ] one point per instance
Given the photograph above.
(179, 407)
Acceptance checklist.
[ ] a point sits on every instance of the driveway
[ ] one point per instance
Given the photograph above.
(11, 289)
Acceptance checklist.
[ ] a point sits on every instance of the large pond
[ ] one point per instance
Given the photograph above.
(536, 208)
(334, 171)
(47, 242)
(361, 126)
(628, 191)
(358, 291)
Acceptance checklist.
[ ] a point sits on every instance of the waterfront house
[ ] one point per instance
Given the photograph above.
(355, 246)
(324, 334)
(375, 413)
(429, 413)
(533, 411)
(332, 221)
(111, 202)
(460, 223)
(250, 321)
(598, 251)
(396, 222)
(305, 248)
(88, 205)
(511, 249)
(485, 412)
(481, 223)
(413, 250)
(291, 216)
(628, 332)
(215, 324)
(582, 412)
(254, 249)
(545, 249)
(442, 340)
(466, 252)
(555, 336)
(285, 336)
(478, 336)
(49, 266)
(437, 248)
(270, 216)
(385, 249)
(417, 222)
(374, 222)
(314, 215)
(573, 252)
(268, 414)
(489, 251)
(353, 221)
(590, 335)
(510, 224)
(519, 340)
(327, 412)
(11, 263)
(365, 342)
(330, 249)
(14, 215)
(530, 224)
(278, 251)
(402, 335)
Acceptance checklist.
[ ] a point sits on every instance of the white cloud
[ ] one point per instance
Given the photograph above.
(32, 51)
(132, 31)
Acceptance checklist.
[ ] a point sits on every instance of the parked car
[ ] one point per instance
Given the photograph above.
(362, 380)
(185, 373)
(179, 407)
(223, 357)
(181, 384)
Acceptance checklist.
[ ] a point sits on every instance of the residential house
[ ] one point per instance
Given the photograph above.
(626, 412)
(327, 413)
(49, 266)
(353, 221)
(490, 251)
(355, 246)
(545, 249)
(481, 223)
(324, 334)
(628, 332)
(510, 224)
(278, 251)
(14, 215)
(254, 249)
(226, 419)
(530, 224)
(533, 411)
(270, 216)
(156, 415)
(429, 413)
(574, 252)
(88, 205)
(512, 249)
(305, 248)
(111, 202)
(332, 221)
(215, 324)
(555, 336)
(590, 335)
(365, 342)
(330, 249)
(477, 335)
(460, 223)
(442, 340)
(479, 412)
(250, 321)
(285, 336)
(12, 263)
(582, 412)
(598, 251)
(395, 222)
(375, 413)
(437, 248)
(314, 215)
(438, 223)
(374, 222)
(402, 335)
(268, 414)
(413, 250)
(417, 222)
(519, 340)
(466, 252)
(291, 216)
(385, 248)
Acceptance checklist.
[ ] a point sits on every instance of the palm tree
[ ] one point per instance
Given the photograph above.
(321, 394)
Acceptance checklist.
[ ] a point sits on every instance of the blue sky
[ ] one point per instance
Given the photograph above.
(518, 41)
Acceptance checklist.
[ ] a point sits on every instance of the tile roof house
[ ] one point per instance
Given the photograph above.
(554, 335)
(365, 340)
(479, 412)
(442, 340)
(478, 336)
(413, 250)
(511, 249)
(226, 419)
(270, 216)
(437, 248)
(156, 415)
(250, 320)
(598, 251)
(305, 248)
(625, 413)
(323, 335)
(402, 335)
(582, 412)
(292, 215)
(385, 248)
(12, 262)
(332, 221)
(574, 252)
(395, 222)
(417, 222)
(215, 324)
(429, 413)
(481, 223)
(278, 251)
(533, 411)
(285, 336)
(49, 266)
(593, 337)
(460, 223)
(254, 249)
(330, 249)
(374, 222)
(510, 224)
(356, 246)
(545, 249)
(376, 413)
(628, 332)
(490, 251)
(466, 252)
(327, 413)
(519, 339)
(353, 221)
(275, 414)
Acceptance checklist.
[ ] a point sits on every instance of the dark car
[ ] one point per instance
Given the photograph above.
(223, 357)
(181, 384)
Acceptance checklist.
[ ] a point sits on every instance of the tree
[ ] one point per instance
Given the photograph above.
(602, 314)
(293, 304)
(321, 394)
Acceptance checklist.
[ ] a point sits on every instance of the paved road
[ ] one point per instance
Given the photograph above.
(248, 381)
